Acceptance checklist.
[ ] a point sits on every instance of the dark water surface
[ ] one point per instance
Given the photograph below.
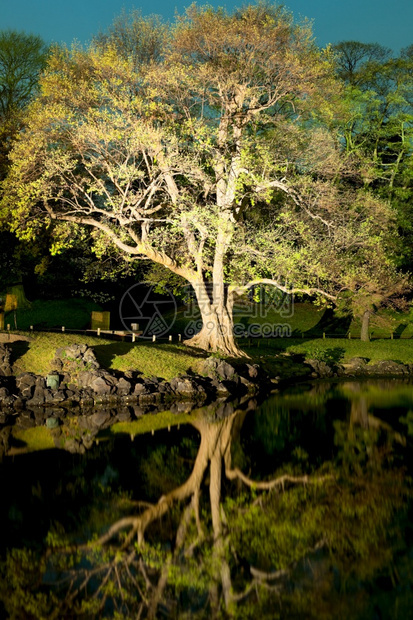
(299, 507)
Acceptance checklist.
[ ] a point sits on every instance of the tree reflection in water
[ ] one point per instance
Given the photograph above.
(310, 540)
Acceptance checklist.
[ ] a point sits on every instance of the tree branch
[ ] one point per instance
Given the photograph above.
(289, 291)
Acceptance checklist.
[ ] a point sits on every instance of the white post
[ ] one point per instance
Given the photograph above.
(133, 337)
(154, 338)
(98, 331)
(63, 328)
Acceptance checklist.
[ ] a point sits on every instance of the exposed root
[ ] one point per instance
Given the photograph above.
(233, 474)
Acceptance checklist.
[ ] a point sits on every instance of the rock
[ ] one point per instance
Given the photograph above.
(40, 382)
(320, 368)
(3, 418)
(253, 371)
(249, 385)
(387, 367)
(355, 366)
(54, 396)
(186, 387)
(74, 359)
(220, 388)
(215, 368)
(37, 397)
(25, 384)
(123, 387)
(150, 399)
(142, 387)
(5, 365)
(100, 386)
(4, 393)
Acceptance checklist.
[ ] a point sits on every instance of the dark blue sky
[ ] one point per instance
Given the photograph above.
(389, 22)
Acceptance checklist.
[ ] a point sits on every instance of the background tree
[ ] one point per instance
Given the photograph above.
(22, 58)
(378, 132)
(227, 137)
(142, 40)
(353, 55)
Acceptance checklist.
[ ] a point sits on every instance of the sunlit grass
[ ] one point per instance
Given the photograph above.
(150, 359)
(343, 348)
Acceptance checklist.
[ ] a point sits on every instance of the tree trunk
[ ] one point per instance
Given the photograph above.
(365, 321)
(217, 332)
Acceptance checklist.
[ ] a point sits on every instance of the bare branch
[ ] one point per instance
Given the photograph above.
(233, 474)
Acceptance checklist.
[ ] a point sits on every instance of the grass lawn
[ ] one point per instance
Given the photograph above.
(45, 314)
(169, 360)
(396, 350)
(151, 359)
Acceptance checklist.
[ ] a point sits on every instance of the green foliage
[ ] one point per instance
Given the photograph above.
(22, 58)
(207, 158)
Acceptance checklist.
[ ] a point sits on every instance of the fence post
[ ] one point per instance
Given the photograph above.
(133, 337)
(179, 337)
(154, 338)
(391, 335)
(324, 334)
(98, 331)
(63, 328)
(170, 338)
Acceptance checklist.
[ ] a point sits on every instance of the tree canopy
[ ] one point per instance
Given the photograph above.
(219, 159)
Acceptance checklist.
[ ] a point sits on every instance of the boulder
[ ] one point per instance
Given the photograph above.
(100, 386)
(187, 388)
(387, 367)
(215, 368)
(5, 364)
(356, 366)
(123, 387)
(37, 398)
(25, 384)
(74, 359)
(320, 368)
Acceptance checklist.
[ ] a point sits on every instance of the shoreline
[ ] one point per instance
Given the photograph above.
(91, 399)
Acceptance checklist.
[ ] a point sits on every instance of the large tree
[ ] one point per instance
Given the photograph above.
(218, 159)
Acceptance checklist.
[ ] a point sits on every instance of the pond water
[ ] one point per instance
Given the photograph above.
(296, 507)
